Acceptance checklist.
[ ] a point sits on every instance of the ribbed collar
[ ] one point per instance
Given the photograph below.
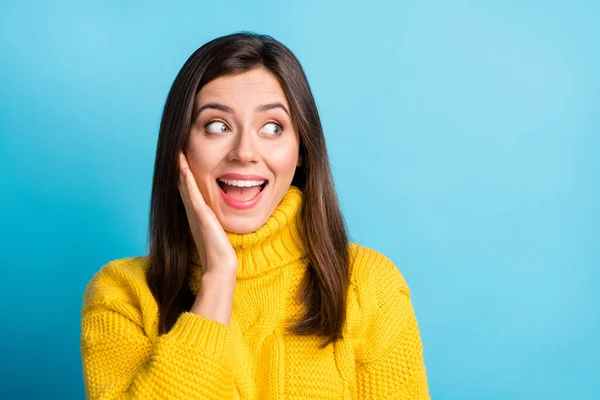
(278, 242)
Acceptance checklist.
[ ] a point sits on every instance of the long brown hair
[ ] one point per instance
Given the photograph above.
(323, 290)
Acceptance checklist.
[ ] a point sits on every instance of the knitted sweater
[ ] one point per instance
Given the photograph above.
(379, 357)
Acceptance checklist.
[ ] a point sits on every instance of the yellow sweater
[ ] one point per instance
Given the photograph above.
(380, 357)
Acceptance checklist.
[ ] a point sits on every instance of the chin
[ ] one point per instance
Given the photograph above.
(242, 225)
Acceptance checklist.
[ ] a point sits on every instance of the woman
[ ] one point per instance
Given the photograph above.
(251, 289)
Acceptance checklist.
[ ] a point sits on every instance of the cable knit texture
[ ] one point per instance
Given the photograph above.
(380, 356)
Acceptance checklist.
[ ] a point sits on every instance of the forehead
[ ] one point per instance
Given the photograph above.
(252, 87)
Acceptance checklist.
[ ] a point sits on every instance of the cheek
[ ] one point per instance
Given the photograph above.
(202, 163)
(282, 160)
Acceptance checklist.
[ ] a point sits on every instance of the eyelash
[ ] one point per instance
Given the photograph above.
(223, 122)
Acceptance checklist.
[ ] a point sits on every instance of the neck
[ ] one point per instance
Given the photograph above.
(275, 244)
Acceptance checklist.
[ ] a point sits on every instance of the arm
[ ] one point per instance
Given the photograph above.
(391, 364)
(215, 297)
(191, 361)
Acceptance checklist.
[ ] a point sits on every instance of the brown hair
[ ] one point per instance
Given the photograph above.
(323, 290)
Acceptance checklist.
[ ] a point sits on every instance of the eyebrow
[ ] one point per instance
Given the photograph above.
(227, 109)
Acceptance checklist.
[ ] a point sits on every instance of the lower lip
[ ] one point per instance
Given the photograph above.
(241, 205)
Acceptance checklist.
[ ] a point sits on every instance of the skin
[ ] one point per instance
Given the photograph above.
(219, 261)
(244, 141)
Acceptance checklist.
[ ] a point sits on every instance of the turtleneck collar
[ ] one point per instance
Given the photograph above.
(278, 242)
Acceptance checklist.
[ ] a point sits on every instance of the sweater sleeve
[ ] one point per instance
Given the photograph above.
(390, 364)
(191, 361)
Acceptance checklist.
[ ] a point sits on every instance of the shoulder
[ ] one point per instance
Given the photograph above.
(118, 281)
(380, 300)
(373, 271)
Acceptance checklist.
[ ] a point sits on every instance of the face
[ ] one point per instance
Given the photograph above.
(243, 148)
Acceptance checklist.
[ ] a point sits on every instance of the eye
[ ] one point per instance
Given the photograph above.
(216, 127)
(276, 128)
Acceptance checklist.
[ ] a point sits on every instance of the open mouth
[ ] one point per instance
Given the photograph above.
(241, 190)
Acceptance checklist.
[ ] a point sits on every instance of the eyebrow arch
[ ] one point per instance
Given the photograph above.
(227, 109)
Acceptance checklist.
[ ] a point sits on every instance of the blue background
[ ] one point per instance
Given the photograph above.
(464, 138)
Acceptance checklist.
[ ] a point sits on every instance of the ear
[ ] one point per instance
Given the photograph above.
(300, 160)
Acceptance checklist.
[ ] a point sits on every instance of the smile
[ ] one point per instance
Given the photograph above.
(241, 194)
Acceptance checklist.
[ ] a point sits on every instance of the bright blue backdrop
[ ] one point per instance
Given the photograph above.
(464, 138)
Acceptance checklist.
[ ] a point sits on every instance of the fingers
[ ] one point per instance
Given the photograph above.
(187, 184)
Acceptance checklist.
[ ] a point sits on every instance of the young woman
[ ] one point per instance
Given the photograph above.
(251, 289)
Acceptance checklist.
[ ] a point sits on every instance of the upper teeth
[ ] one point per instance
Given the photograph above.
(241, 183)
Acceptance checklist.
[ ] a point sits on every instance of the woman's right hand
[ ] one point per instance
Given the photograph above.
(219, 261)
(217, 255)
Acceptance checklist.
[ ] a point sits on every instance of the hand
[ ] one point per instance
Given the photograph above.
(217, 255)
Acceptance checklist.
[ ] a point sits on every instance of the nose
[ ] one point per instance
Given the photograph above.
(244, 147)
